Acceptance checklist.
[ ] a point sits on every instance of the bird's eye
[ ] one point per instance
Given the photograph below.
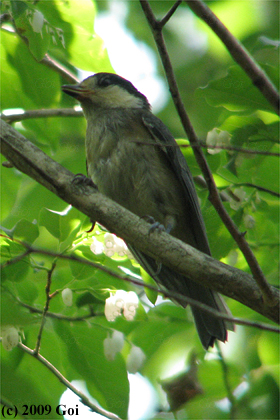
(104, 82)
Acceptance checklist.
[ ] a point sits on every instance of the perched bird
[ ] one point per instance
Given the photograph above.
(130, 158)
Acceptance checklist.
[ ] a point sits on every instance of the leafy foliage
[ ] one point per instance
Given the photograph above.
(217, 94)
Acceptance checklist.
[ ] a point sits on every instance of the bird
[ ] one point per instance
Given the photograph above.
(133, 159)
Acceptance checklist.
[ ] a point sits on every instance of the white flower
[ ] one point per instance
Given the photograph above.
(111, 310)
(113, 345)
(217, 138)
(120, 298)
(130, 306)
(121, 301)
(135, 359)
(120, 247)
(67, 297)
(109, 240)
(113, 244)
(37, 21)
(96, 246)
(10, 337)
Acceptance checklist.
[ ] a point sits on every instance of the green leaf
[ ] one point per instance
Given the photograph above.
(38, 40)
(12, 313)
(22, 387)
(61, 224)
(87, 48)
(18, 267)
(12, 93)
(17, 271)
(220, 240)
(151, 294)
(235, 92)
(26, 231)
(18, 8)
(51, 221)
(106, 380)
(88, 298)
(38, 82)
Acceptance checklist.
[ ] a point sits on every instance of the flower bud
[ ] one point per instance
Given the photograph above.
(67, 297)
(135, 359)
(10, 338)
(113, 345)
(37, 21)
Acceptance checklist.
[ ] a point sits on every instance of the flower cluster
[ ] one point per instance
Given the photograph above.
(121, 302)
(113, 344)
(112, 245)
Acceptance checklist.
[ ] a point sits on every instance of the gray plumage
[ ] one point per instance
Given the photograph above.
(131, 159)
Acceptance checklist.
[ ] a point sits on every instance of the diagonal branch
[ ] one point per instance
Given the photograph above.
(140, 283)
(238, 52)
(183, 258)
(214, 196)
(84, 399)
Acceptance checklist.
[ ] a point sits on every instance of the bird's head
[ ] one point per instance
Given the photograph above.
(107, 90)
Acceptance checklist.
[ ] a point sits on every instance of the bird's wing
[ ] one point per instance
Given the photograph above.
(208, 326)
(180, 168)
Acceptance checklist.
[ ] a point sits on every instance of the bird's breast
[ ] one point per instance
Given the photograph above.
(127, 166)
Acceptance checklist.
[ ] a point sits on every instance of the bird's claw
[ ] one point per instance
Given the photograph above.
(81, 179)
(154, 224)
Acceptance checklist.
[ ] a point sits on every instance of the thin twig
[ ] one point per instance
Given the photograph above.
(166, 293)
(46, 308)
(84, 399)
(258, 187)
(42, 113)
(60, 317)
(213, 191)
(59, 68)
(201, 182)
(206, 146)
(230, 395)
(238, 52)
(238, 149)
(170, 13)
(71, 112)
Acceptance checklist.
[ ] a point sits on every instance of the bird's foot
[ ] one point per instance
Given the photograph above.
(81, 179)
(154, 224)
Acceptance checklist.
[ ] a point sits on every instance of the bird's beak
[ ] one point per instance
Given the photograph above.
(77, 91)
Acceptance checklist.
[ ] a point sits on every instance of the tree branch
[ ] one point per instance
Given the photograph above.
(26, 157)
(238, 52)
(140, 283)
(214, 196)
(42, 113)
(84, 399)
(59, 68)
(46, 308)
